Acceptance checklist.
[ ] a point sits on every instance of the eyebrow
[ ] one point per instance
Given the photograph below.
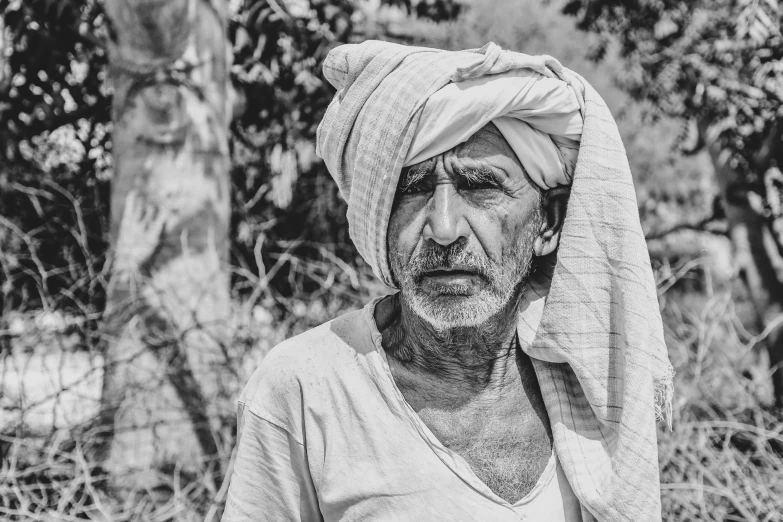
(479, 175)
(472, 175)
(411, 176)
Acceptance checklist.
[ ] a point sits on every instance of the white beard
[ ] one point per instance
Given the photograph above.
(459, 311)
(463, 312)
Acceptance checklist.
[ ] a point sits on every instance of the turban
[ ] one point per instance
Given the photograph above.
(590, 323)
(539, 116)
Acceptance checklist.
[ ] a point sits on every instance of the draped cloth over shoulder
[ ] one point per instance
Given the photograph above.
(594, 331)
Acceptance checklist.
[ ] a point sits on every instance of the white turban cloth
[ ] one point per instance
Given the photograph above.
(591, 325)
(537, 113)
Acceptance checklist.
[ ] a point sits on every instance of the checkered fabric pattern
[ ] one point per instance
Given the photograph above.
(594, 329)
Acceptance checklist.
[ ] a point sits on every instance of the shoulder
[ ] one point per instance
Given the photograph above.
(307, 365)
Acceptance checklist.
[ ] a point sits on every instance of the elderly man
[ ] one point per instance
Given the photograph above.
(518, 372)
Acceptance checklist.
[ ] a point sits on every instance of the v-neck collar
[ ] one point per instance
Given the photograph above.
(451, 459)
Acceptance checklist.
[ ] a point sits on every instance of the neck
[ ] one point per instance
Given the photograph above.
(472, 358)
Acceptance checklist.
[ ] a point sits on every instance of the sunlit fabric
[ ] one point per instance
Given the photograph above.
(323, 409)
(593, 329)
(530, 109)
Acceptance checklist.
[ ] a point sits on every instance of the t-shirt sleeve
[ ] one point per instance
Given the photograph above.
(271, 480)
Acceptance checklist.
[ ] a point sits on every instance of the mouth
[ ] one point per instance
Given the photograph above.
(450, 281)
(451, 272)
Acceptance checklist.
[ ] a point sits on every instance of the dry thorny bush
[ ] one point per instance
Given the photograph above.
(724, 458)
(51, 367)
(722, 461)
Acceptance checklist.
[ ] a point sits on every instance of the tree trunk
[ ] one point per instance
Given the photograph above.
(757, 257)
(168, 297)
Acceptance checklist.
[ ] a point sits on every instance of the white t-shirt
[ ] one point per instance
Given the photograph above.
(325, 434)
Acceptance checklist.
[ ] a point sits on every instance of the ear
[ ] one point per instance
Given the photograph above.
(555, 203)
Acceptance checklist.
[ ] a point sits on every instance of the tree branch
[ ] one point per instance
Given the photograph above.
(699, 226)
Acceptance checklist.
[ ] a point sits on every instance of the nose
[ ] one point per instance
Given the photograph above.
(445, 222)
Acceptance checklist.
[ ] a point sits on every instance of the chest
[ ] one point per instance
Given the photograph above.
(505, 437)
(507, 450)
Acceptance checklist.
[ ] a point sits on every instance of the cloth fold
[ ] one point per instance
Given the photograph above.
(538, 115)
(593, 330)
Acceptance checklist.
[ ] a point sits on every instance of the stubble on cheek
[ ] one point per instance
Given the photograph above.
(453, 305)
(469, 304)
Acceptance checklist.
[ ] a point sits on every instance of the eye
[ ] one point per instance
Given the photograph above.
(483, 184)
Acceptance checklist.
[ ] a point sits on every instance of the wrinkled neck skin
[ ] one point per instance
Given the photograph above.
(472, 360)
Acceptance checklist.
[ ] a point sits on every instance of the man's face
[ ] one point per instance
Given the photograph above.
(462, 230)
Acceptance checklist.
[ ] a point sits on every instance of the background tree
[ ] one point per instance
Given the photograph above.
(168, 294)
(290, 262)
(55, 127)
(122, 182)
(717, 66)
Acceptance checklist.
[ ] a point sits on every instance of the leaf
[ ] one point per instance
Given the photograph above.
(773, 183)
(716, 94)
(307, 80)
(242, 38)
(689, 140)
(283, 165)
(754, 22)
(773, 5)
(252, 13)
(260, 47)
(758, 33)
(666, 81)
(765, 20)
(664, 28)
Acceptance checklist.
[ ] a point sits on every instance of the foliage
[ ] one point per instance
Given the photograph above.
(53, 110)
(55, 133)
(715, 63)
(723, 459)
(721, 462)
(292, 259)
(54, 71)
